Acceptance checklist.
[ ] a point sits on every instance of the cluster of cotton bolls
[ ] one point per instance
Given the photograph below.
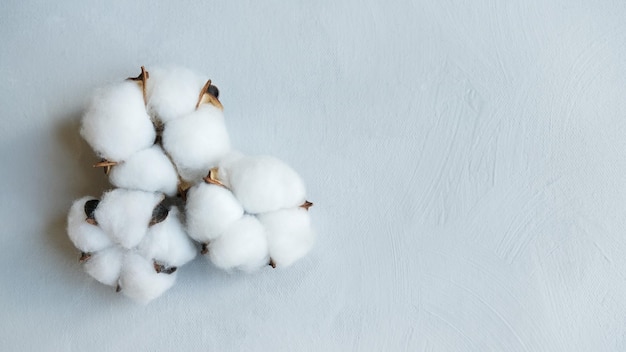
(163, 142)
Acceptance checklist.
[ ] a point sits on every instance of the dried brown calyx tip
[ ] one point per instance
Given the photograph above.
(90, 210)
(159, 214)
(183, 187)
(212, 177)
(84, 256)
(107, 165)
(162, 269)
(118, 288)
(205, 249)
(208, 95)
(141, 81)
(306, 205)
(272, 263)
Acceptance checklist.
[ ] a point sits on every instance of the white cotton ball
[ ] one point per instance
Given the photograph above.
(263, 184)
(116, 124)
(147, 170)
(85, 236)
(228, 160)
(173, 92)
(289, 235)
(197, 142)
(105, 266)
(210, 210)
(125, 214)
(140, 281)
(167, 242)
(242, 246)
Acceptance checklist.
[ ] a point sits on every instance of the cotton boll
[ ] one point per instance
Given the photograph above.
(197, 141)
(210, 210)
(264, 183)
(167, 242)
(125, 214)
(85, 236)
(105, 266)
(173, 92)
(140, 281)
(242, 246)
(116, 124)
(147, 170)
(289, 235)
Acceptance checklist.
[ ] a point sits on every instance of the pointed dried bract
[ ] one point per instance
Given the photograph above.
(84, 257)
(212, 178)
(106, 165)
(141, 80)
(209, 95)
(306, 205)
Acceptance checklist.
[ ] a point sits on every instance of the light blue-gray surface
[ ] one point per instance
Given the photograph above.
(466, 160)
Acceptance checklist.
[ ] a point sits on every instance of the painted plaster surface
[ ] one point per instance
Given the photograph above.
(467, 161)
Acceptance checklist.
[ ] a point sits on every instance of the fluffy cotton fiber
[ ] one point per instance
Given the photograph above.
(116, 124)
(147, 170)
(196, 142)
(173, 92)
(210, 210)
(85, 236)
(167, 243)
(140, 281)
(125, 214)
(289, 235)
(105, 265)
(242, 246)
(263, 184)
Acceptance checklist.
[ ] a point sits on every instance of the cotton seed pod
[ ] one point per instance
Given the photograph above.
(289, 235)
(140, 281)
(116, 124)
(167, 243)
(147, 170)
(242, 246)
(210, 210)
(126, 214)
(84, 234)
(261, 183)
(197, 141)
(105, 265)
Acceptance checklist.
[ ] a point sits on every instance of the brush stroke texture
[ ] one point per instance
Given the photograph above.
(466, 160)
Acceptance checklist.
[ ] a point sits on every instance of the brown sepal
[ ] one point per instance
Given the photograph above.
(212, 177)
(106, 165)
(84, 256)
(306, 205)
(207, 98)
(141, 81)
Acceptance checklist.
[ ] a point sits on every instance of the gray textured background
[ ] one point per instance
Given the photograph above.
(466, 159)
